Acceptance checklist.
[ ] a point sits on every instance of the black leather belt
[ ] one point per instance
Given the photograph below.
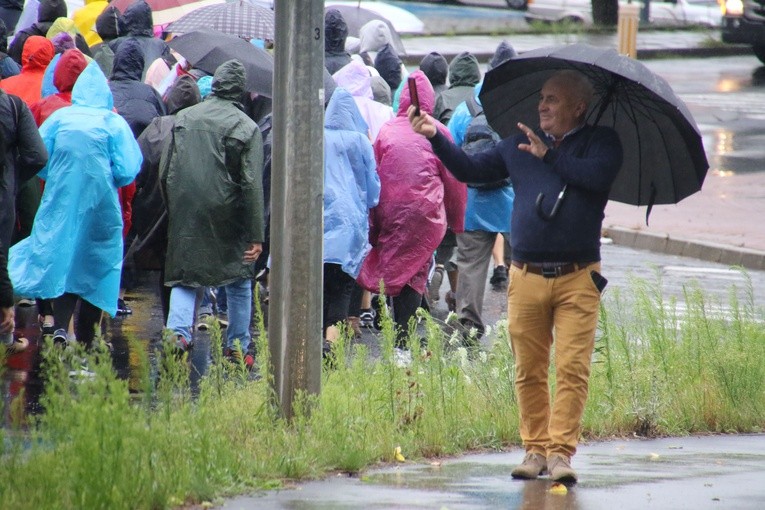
(551, 271)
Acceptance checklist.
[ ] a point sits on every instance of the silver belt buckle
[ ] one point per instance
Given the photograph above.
(551, 272)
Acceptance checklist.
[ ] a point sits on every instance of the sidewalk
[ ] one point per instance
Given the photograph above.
(711, 472)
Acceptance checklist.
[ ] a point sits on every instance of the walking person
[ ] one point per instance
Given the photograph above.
(351, 189)
(74, 252)
(555, 279)
(211, 179)
(419, 198)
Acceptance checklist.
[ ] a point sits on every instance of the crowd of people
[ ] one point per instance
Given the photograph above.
(118, 156)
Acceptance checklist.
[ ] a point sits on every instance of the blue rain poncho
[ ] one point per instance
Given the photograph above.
(351, 184)
(76, 240)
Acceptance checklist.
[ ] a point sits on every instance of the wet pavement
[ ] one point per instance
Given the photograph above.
(699, 473)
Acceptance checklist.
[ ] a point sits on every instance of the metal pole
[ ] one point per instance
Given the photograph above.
(295, 282)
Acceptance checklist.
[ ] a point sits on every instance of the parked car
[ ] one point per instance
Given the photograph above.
(744, 22)
(661, 13)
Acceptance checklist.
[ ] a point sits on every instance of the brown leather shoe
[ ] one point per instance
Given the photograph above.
(533, 465)
(560, 469)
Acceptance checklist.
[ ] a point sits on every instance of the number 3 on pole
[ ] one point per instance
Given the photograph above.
(317, 33)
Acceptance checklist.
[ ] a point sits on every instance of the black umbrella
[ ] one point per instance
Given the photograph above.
(206, 50)
(664, 159)
(236, 18)
(356, 17)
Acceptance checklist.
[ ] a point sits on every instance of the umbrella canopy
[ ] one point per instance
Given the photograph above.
(167, 11)
(206, 50)
(664, 159)
(241, 19)
(356, 17)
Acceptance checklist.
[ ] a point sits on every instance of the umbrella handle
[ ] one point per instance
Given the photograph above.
(556, 206)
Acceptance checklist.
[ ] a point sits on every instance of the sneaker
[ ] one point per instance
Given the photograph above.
(202, 321)
(533, 465)
(47, 329)
(122, 308)
(81, 370)
(402, 357)
(222, 320)
(236, 357)
(60, 337)
(25, 302)
(435, 284)
(19, 344)
(560, 469)
(498, 279)
(367, 318)
(182, 344)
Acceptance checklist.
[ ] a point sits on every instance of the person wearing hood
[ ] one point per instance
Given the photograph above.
(136, 101)
(139, 25)
(8, 66)
(109, 26)
(373, 37)
(38, 52)
(148, 238)
(351, 189)
(68, 68)
(464, 74)
(335, 34)
(48, 11)
(10, 12)
(355, 78)
(390, 67)
(436, 68)
(211, 178)
(74, 253)
(85, 19)
(419, 198)
(487, 214)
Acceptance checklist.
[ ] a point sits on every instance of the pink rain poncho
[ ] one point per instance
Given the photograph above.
(355, 78)
(419, 198)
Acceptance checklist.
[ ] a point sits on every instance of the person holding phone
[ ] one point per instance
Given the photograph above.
(555, 281)
(418, 199)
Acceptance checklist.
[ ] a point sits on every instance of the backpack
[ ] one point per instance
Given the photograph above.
(479, 136)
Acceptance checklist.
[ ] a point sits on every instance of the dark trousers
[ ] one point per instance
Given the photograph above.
(87, 319)
(405, 307)
(338, 286)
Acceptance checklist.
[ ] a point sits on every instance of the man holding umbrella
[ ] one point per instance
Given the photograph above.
(555, 280)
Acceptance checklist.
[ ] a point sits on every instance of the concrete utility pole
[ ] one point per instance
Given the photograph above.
(297, 182)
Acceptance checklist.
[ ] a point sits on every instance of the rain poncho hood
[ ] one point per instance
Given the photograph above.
(110, 24)
(37, 54)
(138, 26)
(419, 197)
(355, 78)
(182, 94)
(62, 25)
(381, 91)
(229, 80)
(76, 241)
(436, 68)
(50, 10)
(373, 36)
(137, 102)
(502, 54)
(335, 34)
(351, 184)
(388, 64)
(66, 68)
(138, 19)
(464, 74)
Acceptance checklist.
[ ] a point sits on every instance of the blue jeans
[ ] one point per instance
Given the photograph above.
(239, 293)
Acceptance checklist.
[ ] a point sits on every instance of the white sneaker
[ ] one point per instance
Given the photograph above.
(402, 357)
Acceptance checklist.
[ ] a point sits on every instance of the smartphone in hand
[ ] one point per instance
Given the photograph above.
(413, 95)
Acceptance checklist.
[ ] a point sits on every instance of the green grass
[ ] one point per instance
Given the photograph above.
(100, 446)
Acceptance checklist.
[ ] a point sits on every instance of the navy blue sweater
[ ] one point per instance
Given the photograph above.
(588, 161)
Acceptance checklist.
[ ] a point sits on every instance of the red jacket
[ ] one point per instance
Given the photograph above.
(35, 57)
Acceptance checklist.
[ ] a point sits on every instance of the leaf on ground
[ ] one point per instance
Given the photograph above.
(559, 489)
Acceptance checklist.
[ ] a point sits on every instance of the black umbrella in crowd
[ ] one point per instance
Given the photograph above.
(664, 159)
(206, 50)
(240, 18)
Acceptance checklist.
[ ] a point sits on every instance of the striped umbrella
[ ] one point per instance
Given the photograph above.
(237, 18)
(167, 11)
